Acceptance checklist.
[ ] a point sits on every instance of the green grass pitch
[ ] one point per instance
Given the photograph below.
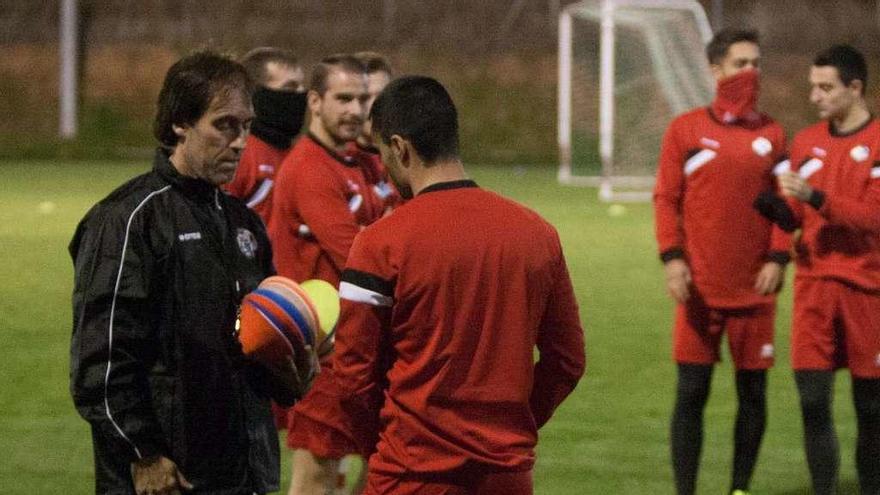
(610, 437)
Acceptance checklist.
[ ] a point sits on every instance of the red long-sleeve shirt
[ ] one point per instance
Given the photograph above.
(841, 239)
(445, 301)
(708, 176)
(322, 200)
(255, 176)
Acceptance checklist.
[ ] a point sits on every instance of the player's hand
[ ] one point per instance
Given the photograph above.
(158, 475)
(678, 279)
(769, 279)
(795, 186)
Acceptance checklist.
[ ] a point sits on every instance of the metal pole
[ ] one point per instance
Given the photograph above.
(67, 77)
(564, 103)
(606, 89)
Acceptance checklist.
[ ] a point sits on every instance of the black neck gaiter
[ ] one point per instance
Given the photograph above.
(280, 115)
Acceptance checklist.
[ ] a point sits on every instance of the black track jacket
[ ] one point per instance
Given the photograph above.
(160, 267)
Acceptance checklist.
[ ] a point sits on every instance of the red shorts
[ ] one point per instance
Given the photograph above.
(835, 325)
(494, 483)
(698, 331)
(320, 424)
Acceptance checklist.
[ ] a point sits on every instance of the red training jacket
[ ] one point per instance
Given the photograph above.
(255, 176)
(443, 303)
(840, 239)
(322, 200)
(707, 179)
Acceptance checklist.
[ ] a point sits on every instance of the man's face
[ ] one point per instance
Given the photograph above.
(283, 77)
(742, 55)
(210, 148)
(832, 98)
(376, 82)
(396, 171)
(341, 109)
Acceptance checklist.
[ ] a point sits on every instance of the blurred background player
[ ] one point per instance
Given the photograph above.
(280, 105)
(723, 265)
(379, 74)
(834, 188)
(448, 298)
(322, 196)
(323, 199)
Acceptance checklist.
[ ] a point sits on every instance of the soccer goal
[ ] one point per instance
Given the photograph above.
(626, 68)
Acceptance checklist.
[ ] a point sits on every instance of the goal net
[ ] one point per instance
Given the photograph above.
(626, 68)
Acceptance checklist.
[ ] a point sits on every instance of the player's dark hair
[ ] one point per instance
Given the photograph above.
(849, 62)
(420, 110)
(343, 62)
(374, 62)
(717, 49)
(256, 60)
(190, 85)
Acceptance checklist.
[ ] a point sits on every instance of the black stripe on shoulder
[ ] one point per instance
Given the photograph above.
(368, 281)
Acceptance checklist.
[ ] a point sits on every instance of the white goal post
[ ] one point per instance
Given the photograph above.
(651, 66)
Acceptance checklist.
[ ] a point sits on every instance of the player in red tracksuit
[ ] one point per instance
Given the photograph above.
(324, 196)
(834, 191)
(723, 261)
(443, 303)
(279, 105)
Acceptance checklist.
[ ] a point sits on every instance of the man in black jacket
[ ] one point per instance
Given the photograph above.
(161, 265)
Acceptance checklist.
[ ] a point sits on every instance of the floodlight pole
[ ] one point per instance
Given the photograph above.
(67, 76)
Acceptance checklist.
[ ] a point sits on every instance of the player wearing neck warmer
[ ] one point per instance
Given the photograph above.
(724, 262)
(280, 105)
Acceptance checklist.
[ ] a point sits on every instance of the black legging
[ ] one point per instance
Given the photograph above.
(687, 424)
(820, 440)
(866, 397)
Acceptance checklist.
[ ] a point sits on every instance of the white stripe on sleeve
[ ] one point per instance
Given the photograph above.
(698, 160)
(351, 292)
(811, 167)
(261, 193)
(782, 167)
(112, 317)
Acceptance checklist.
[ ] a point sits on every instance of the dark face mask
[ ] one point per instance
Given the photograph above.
(279, 113)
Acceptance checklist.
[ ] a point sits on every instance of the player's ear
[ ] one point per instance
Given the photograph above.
(717, 71)
(857, 86)
(314, 101)
(179, 130)
(400, 149)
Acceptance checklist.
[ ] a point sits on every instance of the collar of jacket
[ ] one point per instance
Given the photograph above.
(195, 187)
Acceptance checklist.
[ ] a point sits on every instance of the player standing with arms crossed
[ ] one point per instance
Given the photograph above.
(443, 303)
(835, 188)
(723, 265)
(323, 199)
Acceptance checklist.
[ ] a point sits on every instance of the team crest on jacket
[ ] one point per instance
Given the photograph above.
(247, 243)
(860, 153)
(762, 146)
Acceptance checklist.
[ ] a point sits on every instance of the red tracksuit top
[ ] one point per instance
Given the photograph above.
(708, 176)
(322, 200)
(443, 302)
(255, 176)
(841, 239)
